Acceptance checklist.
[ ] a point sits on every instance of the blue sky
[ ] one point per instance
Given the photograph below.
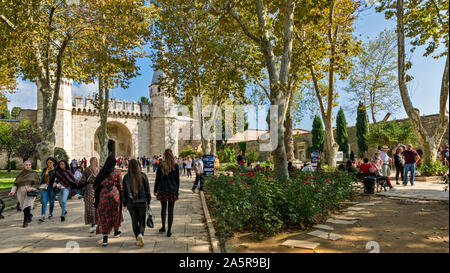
(424, 89)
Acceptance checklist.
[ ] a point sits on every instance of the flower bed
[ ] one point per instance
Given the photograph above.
(261, 203)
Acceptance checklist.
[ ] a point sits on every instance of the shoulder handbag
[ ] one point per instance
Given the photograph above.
(150, 223)
(32, 193)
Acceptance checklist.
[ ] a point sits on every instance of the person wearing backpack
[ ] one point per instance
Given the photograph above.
(136, 198)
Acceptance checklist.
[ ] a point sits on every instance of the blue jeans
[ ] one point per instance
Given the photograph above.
(409, 168)
(198, 178)
(47, 196)
(63, 195)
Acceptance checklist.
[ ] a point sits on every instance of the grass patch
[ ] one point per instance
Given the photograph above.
(6, 174)
(6, 183)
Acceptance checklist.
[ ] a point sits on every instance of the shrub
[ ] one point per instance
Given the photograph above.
(226, 155)
(188, 152)
(60, 154)
(233, 166)
(253, 156)
(260, 203)
(243, 147)
(432, 168)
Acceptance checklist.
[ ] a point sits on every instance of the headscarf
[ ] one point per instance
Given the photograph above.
(107, 169)
(93, 165)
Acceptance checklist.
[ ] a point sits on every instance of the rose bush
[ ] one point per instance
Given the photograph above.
(261, 203)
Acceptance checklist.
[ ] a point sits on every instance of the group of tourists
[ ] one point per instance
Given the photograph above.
(106, 194)
(405, 160)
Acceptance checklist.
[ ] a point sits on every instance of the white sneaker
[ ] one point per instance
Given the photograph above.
(140, 240)
(93, 229)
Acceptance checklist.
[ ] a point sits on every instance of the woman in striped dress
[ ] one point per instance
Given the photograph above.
(88, 178)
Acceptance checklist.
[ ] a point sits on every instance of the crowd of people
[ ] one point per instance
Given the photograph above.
(106, 194)
(404, 160)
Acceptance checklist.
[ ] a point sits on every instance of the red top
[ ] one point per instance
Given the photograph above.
(410, 156)
(365, 167)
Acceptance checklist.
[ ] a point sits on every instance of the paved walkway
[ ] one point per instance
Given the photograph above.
(420, 190)
(189, 234)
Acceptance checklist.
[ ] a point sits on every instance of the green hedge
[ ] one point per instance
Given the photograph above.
(188, 152)
(260, 203)
(432, 168)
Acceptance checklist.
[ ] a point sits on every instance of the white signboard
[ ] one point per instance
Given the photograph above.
(340, 156)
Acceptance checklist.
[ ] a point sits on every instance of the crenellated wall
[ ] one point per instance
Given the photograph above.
(116, 107)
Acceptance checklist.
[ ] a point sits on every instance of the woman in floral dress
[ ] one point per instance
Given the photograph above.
(108, 183)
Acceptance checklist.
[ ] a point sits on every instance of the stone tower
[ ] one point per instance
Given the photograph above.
(164, 119)
(63, 121)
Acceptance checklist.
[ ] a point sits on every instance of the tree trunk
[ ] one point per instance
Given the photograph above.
(46, 147)
(332, 146)
(430, 144)
(103, 106)
(9, 162)
(288, 138)
(279, 154)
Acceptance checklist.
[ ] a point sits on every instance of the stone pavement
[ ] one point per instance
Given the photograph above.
(420, 190)
(189, 234)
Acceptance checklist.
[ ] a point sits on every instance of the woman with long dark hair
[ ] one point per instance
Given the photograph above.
(26, 182)
(167, 184)
(65, 182)
(47, 188)
(136, 198)
(108, 184)
(88, 178)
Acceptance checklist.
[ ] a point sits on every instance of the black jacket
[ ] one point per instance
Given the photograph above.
(51, 175)
(167, 183)
(143, 196)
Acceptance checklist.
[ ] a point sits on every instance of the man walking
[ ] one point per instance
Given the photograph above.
(385, 169)
(74, 165)
(411, 158)
(198, 168)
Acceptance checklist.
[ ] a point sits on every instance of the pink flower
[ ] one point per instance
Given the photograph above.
(297, 175)
(242, 174)
(246, 186)
(228, 174)
(327, 180)
(315, 190)
(308, 176)
(232, 181)
(304, 181)
(270, 169)
(314, 178)
(267, 177)
(255, 204)
(214, 177)
(251, 174)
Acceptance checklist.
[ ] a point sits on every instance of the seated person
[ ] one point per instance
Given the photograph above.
(258, 168)
(308, 167)
(350, 168)
(291, 166)
(77, 191)
(367, 168)
(249, 166)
